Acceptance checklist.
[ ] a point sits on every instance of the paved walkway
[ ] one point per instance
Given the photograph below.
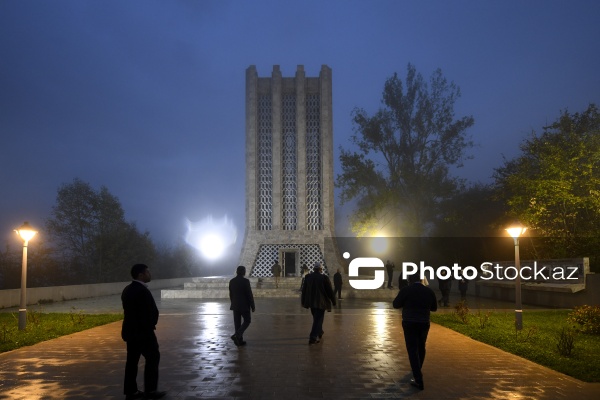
(361, 356)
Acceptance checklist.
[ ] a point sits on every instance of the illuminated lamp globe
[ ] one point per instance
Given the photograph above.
(516, 230)
(26, 232)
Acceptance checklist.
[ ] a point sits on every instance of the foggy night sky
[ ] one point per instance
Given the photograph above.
(147, 98)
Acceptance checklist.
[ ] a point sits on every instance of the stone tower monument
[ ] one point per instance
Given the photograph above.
(289, 172)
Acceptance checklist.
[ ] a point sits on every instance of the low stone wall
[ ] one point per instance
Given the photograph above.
(12, 297)
(543, 294)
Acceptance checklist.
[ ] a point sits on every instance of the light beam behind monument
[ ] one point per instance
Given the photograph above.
(212, 237)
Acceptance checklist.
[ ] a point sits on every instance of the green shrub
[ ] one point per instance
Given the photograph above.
(77, 316)
(526, 335)
(462, 312)
(587, 318)
(34, 317)
(483, 319)
(4, 332)
(565, 342)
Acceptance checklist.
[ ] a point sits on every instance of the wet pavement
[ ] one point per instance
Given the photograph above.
(361, 356)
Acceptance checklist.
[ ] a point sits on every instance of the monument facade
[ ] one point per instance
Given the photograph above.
(289, 172)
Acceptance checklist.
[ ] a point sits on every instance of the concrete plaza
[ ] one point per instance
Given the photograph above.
(361, 356)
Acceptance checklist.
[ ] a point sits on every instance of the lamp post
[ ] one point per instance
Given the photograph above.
(26, 232)
(515, 231)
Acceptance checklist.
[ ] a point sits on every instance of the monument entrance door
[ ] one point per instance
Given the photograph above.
(289, 263)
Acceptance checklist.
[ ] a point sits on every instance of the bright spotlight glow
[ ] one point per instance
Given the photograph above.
(211, 246)
(379, 245)
(212, 237)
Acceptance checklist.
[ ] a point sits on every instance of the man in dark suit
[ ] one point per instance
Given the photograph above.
(317, 294)
(445, 285)
(276, 270)
(139, 323)
(242, 301)
(337, 284)
(416, 301)
(389, 267)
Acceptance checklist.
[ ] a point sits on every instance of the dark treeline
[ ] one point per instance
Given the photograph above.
(44, 269)
(87, 240)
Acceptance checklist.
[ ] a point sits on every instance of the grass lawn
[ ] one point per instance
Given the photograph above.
(538, 341)
(41, 327)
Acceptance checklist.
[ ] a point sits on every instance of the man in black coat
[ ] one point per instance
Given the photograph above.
(337, 284)
(445, 285)
(276, 270)
(416, 301)
(463, 285)
(139, 323)
(242, 301)
(389, 267)
(317, 294)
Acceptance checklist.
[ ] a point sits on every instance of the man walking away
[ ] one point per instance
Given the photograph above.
(317, 295)
(389, 267)
(276, 270)
(416, 301)
(139, 323)
(444, 286)
(337, 284)
(242, 301)
(463, 285)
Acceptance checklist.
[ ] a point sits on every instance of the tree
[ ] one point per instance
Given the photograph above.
(179, 260)
(474, 212)
(89, 227)
(10, 267)
(469, 229)
(553, 187)
(400, 172)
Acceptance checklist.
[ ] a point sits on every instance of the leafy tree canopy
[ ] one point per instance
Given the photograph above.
(400, 172)
(89, 226)
(553, 187)
(474, 212)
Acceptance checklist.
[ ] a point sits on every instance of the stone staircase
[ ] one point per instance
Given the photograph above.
(217, 287)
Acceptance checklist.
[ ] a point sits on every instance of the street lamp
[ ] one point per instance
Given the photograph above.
(515, 231)
(26, 232)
